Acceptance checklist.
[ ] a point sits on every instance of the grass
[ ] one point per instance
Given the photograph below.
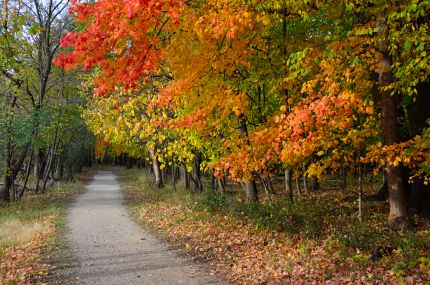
(324, 222)
(31, 230)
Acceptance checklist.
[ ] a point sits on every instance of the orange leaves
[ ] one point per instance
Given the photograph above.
(223, 19)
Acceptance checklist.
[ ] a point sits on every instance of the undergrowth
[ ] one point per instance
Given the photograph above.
(29, 228)
(326, 219)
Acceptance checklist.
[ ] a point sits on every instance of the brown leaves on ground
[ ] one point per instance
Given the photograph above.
(245, 255)
(22, 263)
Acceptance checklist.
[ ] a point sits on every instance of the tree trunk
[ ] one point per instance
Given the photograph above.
(174, 174)
(305, 180)
(11, 172)
(156, 170)
(5, 191)
(418, 114)
(250, 186)
(270, 185)
(196, 175)
(299, 190)
(129, 161)
(38, 165)
(265, 187)
(315, 185)
(185, 178)
(288, 186)
(251, 191)
(213, 182)
(220, 185)
(360, 193)
(396, 188)
(27, 174)
(48, 169)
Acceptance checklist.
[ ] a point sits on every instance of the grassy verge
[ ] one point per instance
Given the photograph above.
(317, 240)
(31, 231)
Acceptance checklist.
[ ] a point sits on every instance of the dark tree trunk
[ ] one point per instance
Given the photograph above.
(174, 174)
(185, 178)
(38, 165)
(5, 190)
(196, 175)
(11, 172)
(418, 114)
(129, 161)
(288, 186)
(315, 185)
(299, 190)
(213, 182)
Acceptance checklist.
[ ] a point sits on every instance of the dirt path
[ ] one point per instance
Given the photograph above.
(112, 249)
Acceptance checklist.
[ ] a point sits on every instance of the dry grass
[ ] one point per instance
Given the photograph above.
(15, 231)
(28, 231)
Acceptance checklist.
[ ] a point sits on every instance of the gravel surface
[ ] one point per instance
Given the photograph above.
(112, 249)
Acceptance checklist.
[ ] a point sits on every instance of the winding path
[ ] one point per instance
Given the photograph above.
(112, 249)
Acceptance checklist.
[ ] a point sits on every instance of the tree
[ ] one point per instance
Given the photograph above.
(252, 88)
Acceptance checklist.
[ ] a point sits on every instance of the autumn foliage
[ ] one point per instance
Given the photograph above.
(250, 89)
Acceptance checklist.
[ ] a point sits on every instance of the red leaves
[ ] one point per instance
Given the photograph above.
(125, 48)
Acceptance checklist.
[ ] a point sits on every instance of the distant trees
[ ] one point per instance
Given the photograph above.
(39, 108)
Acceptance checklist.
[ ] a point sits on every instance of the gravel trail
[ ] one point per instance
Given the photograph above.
(112, 249)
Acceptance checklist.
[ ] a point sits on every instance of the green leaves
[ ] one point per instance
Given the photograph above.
(34, 29)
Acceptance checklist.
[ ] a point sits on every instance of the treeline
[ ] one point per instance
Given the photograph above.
(43, 137)
(250, 89)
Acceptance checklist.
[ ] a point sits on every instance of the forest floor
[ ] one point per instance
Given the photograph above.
(318, 240)
(111, 248)
(31, 234)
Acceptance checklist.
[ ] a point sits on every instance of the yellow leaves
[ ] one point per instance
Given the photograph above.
(396, 161)
(265, 19)
(283, 109)
(237, 111)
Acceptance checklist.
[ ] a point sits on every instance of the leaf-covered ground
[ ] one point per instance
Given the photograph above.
(318, 241)
(28, 232)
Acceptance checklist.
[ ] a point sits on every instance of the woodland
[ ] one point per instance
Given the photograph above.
(278, 105)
